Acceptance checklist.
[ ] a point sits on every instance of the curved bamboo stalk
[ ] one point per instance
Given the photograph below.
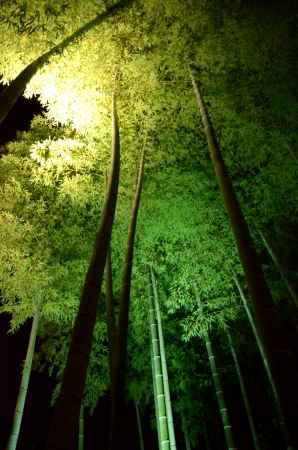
(275, 342)
(139, 423)
(217, 384)
(19, 411)
(164, 365)
(111, 325)
(164, 443)
(65, 420)
(119, 356)
(244, 394)
(10, 95)
(259, 342)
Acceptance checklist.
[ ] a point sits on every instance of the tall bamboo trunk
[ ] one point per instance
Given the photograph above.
(81, 430)
(62, 434)
(279, 268)
(244, 394)
(140, 430)
(18, 415)
(187, 441)
(155, 393)
(111, 325)
(164, 441)
(164, 366)
(119, 355)
(10, 95)
(271, 379)
(276, 343)
(217, 384)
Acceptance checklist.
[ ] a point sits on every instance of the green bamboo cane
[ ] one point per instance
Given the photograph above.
(187, 441)
(81, 429)
(155, 396)
(141, 438)
(217, 383)
(259, 342)
(63, 429)
(19, 411)
(164, 366)
(160, 396)
(268, 321)
(244, 394)
(280, 269)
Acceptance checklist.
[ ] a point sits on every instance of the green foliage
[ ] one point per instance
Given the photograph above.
(49, 195)
(53, 353)
(53, 179)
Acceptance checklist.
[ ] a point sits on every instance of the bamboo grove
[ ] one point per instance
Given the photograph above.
(148, 224)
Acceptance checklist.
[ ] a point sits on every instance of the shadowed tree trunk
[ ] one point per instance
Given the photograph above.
(81, 430)
(276, 344)
(164, 366)
(217, 384)
(10, 95)
(206, 437)
(63, 430)
(244, 394)
(119, 353)
(18, 415)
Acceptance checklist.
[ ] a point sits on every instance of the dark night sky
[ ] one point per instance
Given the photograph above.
(19, 118)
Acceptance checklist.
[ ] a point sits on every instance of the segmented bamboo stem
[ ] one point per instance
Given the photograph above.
(164, 366)
(259, 342)
(159, 383)
(19, 411)
(217, 384)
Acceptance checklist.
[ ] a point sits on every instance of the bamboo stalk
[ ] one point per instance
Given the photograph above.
(217, 384)
(276, 343)
(155, 394)
(280, 269)
(19, 411)
(139, 423)
(12, 92)
(259, 342)
(244, 394)
(159, 384)
(164, 366)
(63, 429)
(119, 353)
(111, 325)
(81, 429)
(187, 441)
